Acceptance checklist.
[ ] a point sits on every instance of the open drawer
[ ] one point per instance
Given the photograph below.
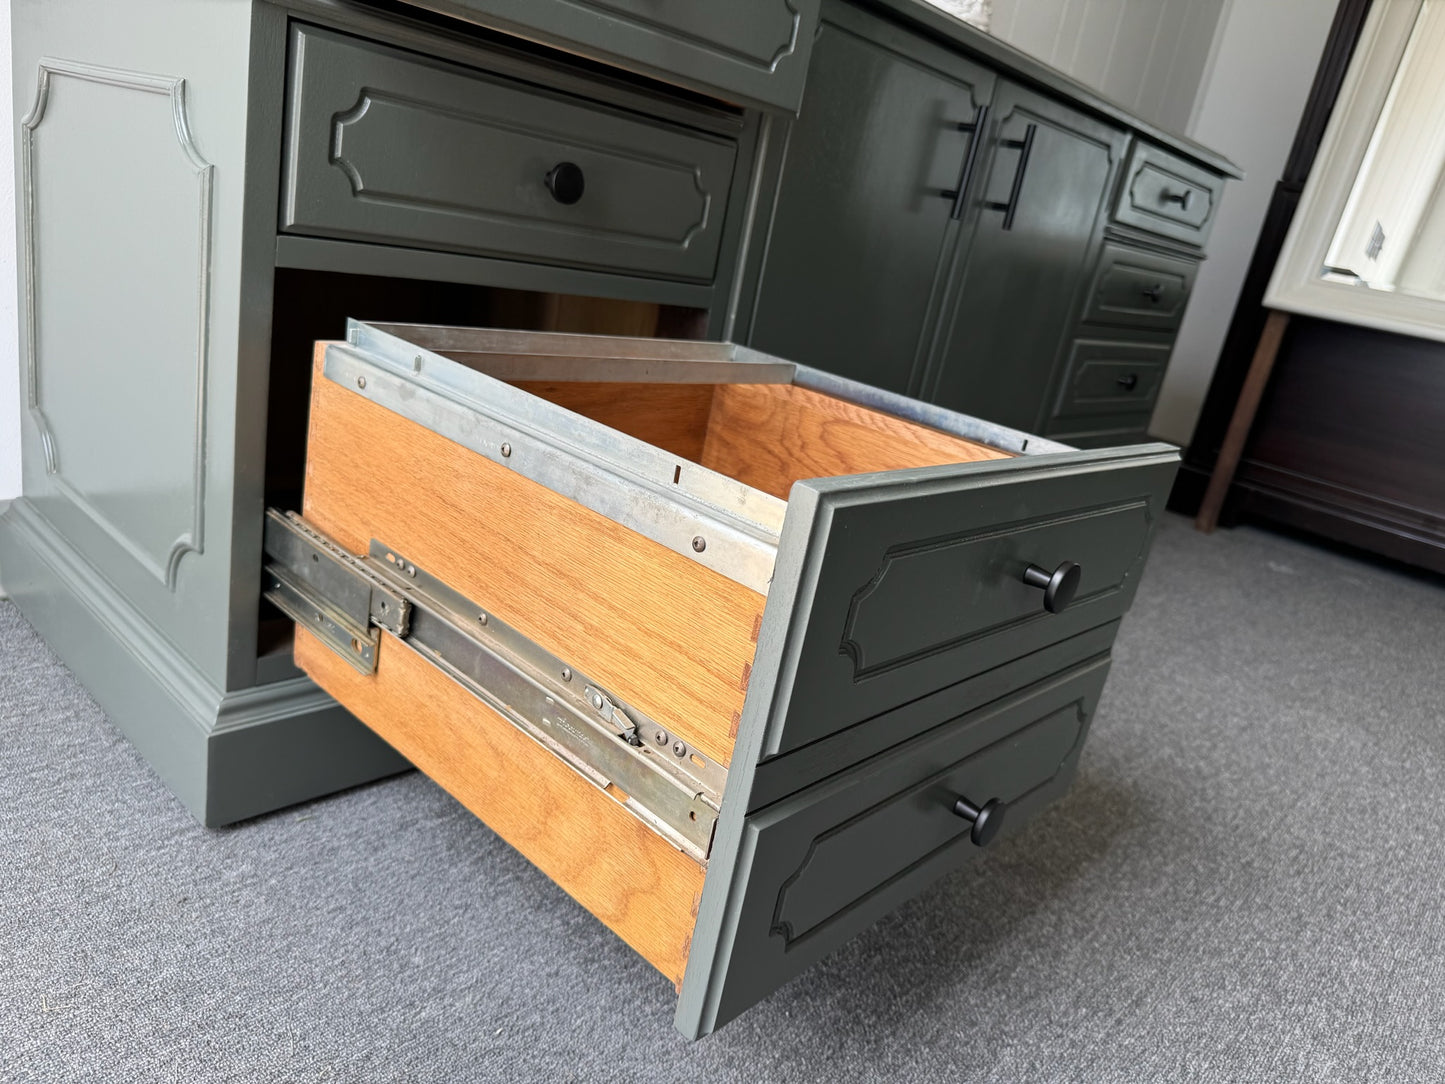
(685, 623)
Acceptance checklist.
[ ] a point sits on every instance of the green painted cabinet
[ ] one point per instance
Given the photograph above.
(868, 164)
(1038, 208)
(943, 219)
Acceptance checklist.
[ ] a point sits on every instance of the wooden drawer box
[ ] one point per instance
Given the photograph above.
(740, 654)
(386, 146)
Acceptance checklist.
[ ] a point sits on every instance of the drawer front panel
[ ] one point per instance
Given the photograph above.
(743, 50)
(1168, 196)
(914, 580)
(1112, 377)
(386, 147)
(825, 863)
(1140, 289)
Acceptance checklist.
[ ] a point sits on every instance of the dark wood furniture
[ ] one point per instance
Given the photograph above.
(1349, 438)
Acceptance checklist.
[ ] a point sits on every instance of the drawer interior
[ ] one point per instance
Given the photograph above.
(766, 436)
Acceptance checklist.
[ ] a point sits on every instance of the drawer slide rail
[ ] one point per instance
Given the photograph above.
(347, 601)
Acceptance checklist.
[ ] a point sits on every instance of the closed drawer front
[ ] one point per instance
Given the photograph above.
(1167, 195)
(743, 50)
(1112, 377)
(387, 147)
(1134, 288)
(833, 858)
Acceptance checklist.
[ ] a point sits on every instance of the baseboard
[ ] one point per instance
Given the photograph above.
(226, 756)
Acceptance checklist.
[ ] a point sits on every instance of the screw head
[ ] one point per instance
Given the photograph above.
(566, 673)
(699, 544)
(596, 699)
(679, 749)
(361, 381)
(481, 619)
(506, 450)
(660, 737)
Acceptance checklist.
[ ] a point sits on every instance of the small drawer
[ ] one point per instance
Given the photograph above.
(1135, 288)
(1106, 377)
(751, 51)
(1167, 195)
(388, 147)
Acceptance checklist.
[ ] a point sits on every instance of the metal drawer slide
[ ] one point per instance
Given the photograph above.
(347, 601)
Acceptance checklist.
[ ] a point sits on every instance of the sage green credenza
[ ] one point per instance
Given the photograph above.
(207, 187)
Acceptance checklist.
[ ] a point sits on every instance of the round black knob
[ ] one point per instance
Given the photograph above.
(987, 820)
(1181, 198)
(1154, 293)
(1059, 586)
(565, 182)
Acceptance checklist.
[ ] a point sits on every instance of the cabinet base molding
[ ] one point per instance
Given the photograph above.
(226, 756)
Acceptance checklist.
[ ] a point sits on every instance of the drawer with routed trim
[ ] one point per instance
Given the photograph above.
(1105, 376)
(1168, 195)
(1134, 287)
(637, 603)
(387, 146)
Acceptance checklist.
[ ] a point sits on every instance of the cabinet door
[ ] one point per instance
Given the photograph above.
(1017, 287)
(861, 222)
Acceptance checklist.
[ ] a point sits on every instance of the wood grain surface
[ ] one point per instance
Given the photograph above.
(770, 435)
(664, 633)
(670, 416)
(637, 884)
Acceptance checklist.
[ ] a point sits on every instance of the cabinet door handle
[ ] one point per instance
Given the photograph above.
(1024, 146)
(1128, 381)
(975, 129)
(1181, 198)
(1154, 293)
(1059, 586)
(566, 182)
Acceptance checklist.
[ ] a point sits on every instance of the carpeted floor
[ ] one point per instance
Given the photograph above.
(1247, 883)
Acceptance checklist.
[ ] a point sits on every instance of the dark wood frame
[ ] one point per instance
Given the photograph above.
(1250, 315)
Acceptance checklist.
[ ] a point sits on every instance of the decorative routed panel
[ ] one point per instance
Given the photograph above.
(116, 203)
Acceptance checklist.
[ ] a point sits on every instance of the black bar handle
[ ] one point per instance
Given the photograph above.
(1154, 293)
(1129, 381)
(1024, 146)
(975, 129)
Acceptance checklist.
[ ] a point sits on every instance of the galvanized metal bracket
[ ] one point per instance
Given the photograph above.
(347, 600)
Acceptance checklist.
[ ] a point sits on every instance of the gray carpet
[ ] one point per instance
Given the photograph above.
(1247, 883)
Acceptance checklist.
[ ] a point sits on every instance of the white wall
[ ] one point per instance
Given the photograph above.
(1147, 55)
(1248, 108)
(9, 348)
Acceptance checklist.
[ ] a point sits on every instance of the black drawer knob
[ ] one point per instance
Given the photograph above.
(1058, 586)
(986, 819)
(1181, 198)
(1129, 381)
(1154, 293)
(565, 182)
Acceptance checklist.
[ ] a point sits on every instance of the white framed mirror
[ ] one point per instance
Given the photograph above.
(1367, 243)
